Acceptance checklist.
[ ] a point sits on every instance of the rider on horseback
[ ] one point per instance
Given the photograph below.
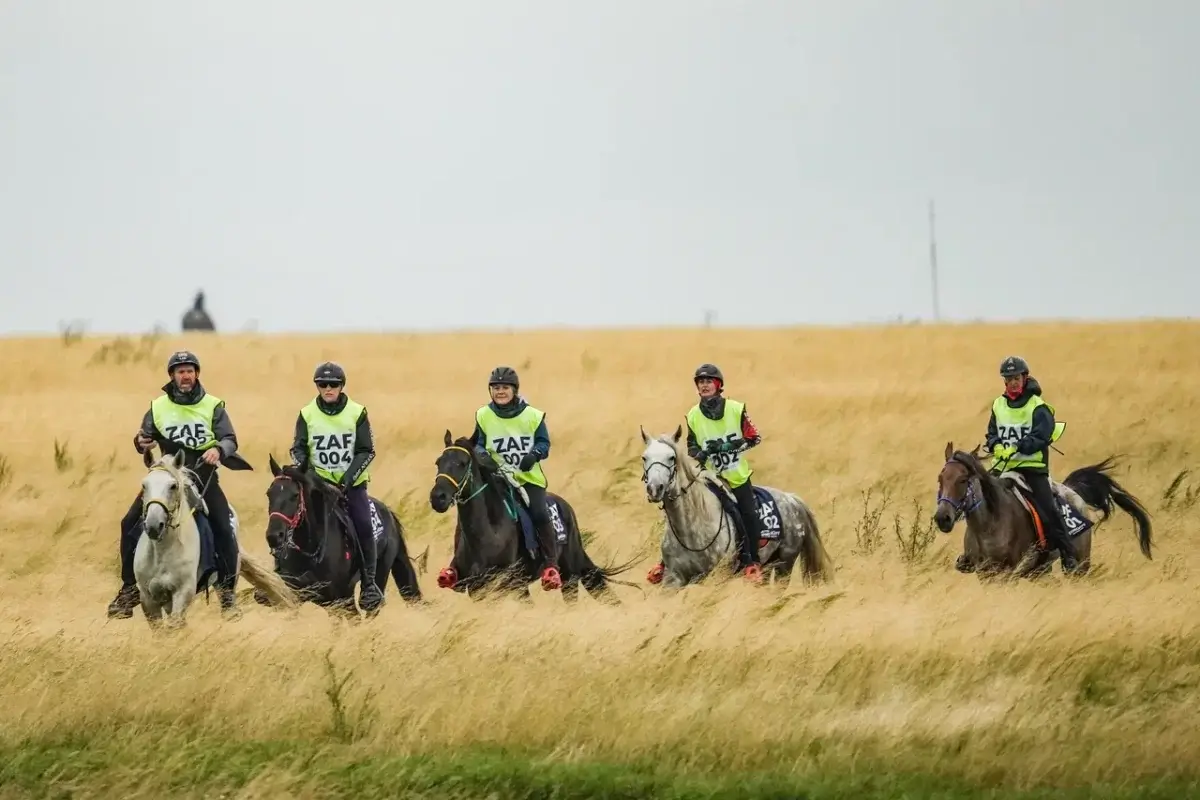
(333, 435)
(1019, 434)
(719, 431)
(187, 418)
(514, 434)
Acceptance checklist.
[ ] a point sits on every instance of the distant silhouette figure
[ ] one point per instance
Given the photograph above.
(196, 318)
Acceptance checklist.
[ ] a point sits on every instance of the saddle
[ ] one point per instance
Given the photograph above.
(1070, 506)
(765, 505)
(517, 502)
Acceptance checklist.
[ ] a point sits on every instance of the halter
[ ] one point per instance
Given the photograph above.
(673, 494)
(464, 483)
(970, 501)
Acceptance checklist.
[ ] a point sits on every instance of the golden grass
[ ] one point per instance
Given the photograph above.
(1045, 682)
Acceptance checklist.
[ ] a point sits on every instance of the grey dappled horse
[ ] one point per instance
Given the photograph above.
(700, 531)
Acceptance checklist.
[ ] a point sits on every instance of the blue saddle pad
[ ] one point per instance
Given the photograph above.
(527, 531)
(208, 551)
(767, 511)
(1074, 522)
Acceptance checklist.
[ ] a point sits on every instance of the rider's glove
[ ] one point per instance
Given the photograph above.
(527, 462)
(714, 447)
(1003, 451)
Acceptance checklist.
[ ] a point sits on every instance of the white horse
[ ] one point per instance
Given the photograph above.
(166, 561)
(700, 533)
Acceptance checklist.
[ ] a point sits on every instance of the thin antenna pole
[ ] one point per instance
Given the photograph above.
(937, 313)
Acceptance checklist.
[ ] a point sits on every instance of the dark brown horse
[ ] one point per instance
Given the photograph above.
(489, 547)
(1001, 535)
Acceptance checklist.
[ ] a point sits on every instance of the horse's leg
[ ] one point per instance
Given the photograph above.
(1083, 552)
(570, 590)
(181, 598)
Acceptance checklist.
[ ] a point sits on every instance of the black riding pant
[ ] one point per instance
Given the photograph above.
(1047, 506)
(358, 504)
(547, 540)
(224, 541)
(748, 506)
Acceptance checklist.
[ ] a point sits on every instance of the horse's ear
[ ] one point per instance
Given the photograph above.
(678, 433)
(275, 470)
(449, 440)
(949, 450)
(645, 438)
(177, 459)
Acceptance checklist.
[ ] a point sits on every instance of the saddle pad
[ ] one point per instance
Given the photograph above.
(768, 512)
(556, 522)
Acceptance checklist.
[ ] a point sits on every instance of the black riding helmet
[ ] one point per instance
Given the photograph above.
(329, 372)
(181, 357)
(710, 371)
(505, 376)
(1013, 366)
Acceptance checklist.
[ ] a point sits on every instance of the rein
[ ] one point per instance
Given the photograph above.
(171, 510)
(462, 484)
(674, 493)
(293, 522)
(970, 500)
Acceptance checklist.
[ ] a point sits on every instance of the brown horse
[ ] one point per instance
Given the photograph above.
(1001, 534)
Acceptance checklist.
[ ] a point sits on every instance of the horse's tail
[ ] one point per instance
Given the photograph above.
(266, 581)
(403, 572)
(815, 563)
(1099, 490)
(597, 576)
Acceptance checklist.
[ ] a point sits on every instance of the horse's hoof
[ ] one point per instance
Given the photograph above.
(551, 580)
(447, 578)
(261, 598)
(655, 575)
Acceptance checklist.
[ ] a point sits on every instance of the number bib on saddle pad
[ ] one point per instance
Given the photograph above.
(376, 521)
(527, 530)
(1074, 522)
(768, 511)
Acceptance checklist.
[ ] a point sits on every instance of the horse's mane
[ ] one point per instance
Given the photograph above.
(488, 471)
(690, 466)
(989, 484)
(183, 476)
(317, 489)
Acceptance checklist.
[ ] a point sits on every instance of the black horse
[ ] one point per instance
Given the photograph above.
(309, 533)
(493, 538)
(196, 318)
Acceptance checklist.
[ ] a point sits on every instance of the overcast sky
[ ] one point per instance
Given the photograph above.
(418, 165)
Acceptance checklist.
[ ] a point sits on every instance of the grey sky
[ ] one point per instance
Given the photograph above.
(417, 165)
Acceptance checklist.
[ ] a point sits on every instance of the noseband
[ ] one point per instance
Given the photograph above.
(292, 522)
(462, 484)
(970, 501)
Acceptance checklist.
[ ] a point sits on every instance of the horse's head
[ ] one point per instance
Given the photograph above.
(455, 473)
(163, 497)
(286, 505)
(960, 487)
(661, 461)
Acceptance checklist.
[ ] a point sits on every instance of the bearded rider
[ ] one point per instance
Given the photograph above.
(187, 418)
(719, 431)
(514, 434)
(333, 436)
(1019, 434)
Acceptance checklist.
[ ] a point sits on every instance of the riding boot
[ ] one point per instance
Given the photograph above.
(547, 538)
(128, 596)
(1056, 534)
(752, 526)
(225, 543)
(358, 504)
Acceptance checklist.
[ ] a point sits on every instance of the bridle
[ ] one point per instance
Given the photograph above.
(673, 493)
(172, 510)
(461, 484)
(293, 521)
(970, 501)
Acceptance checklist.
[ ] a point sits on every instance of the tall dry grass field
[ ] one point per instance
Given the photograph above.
(900, 673)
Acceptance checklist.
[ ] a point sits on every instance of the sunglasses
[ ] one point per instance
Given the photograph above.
(328, 384)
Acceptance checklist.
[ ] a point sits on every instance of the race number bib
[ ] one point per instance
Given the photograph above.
(722, 462)
(769, 516)
(191, 434)
(376, 522)
(1011, 434)
(333, 451)
(556, 522)
(511, 449)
